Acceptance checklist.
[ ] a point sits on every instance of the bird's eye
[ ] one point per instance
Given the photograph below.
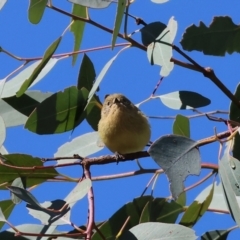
(108, 103)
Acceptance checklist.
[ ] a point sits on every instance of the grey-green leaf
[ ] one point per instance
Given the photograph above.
(15, 111)
(13, 84)
(92, 3)
(24, 195)
(229, 177)
(158, 231)
(178, 157)
(184, 100)
(83, 145)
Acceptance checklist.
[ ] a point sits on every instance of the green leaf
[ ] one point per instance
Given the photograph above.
(36, 10)
(118, 20)
(93, 112)
(184, 100)
(87, 75)
(178, 157)
(77, 28)
(158, 231)
(182, 199)
(234, 115)
(196, 210)
(34, 176)
(15, 111)
(47, 55)
(83, 145)
(181, 126)
(220, 37)
(159, 210)
(133, 209)
(216, 235)
(61, 112)
(6, 206)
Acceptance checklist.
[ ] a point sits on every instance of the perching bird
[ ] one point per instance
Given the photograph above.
(123, 128)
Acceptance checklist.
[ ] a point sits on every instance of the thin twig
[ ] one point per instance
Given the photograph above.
(191, 116)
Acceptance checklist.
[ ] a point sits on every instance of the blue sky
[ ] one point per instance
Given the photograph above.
(132, 75)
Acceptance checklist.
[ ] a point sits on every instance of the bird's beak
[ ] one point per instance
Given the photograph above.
(116, 100)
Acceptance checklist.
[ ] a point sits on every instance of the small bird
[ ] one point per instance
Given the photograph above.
(123, 128)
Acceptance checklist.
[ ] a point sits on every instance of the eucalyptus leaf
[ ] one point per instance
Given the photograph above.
(10, 234)
(113, 225)
(80, 190)
(181, 126)
(216, 235)
(47, 55)
(2, 3)
(13, 84)
(196, 210)
(159, 1)
(47, 217)
(61, 112)
(83, 145)
(18, 182)
(8, 174)
(121, 5)
(87, 75)
(77, 28)
(229, 172)
(218, 201)
(151, 31)
(24, 195)
(234, 115)
(159, 52)
(15, 111)
(178, 157)
(221, 37)
(92, 3)
(6, 206)
(102, 74)
(158, 231)
(2, 131)
(2, 218)
(36, 10)
(184, 100)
